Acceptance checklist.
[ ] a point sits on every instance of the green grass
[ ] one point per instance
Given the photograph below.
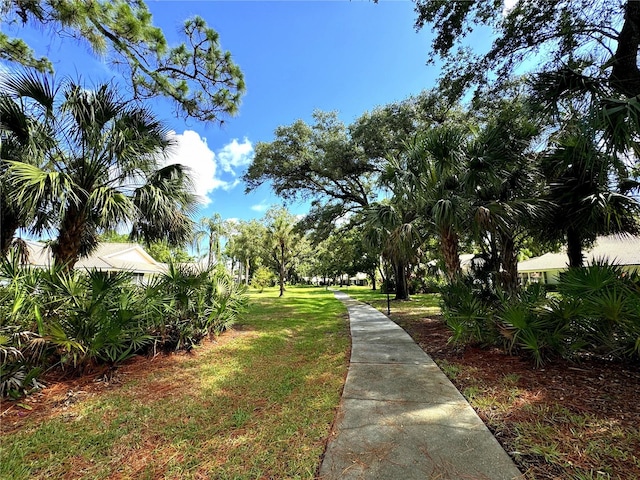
(257, 406)
(420, 305)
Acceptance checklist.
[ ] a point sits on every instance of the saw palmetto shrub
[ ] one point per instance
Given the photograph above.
(195, 304)
(595, 312)
(607, 312)
(77, 320)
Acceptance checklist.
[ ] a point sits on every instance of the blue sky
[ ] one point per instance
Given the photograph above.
(296, 56)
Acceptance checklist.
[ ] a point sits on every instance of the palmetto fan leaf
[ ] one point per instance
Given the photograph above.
(36, 186)
(620, 122)
(97, 167)
(28, 84)
(164, 205)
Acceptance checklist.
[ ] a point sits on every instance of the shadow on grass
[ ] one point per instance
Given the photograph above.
(258, 406)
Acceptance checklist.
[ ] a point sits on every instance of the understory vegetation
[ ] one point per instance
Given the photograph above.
(596, 311)
(77, 321)
(258, 402)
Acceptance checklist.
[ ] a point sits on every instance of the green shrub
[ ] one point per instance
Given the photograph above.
(426, 284)
(467, 314)
(526, 324)
(607, 318)
(596, 311)
(263, 277)
(18, 375)
(83, 317)
(52, 317)
(196, 304)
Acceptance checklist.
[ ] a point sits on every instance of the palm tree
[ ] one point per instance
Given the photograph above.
(435, 163)
(503, 183)
(590, 162)
(281, 238)
(392, 226)
(590, 191)
(21, 139)
(97, 169)
(245, 245)
(213, 229)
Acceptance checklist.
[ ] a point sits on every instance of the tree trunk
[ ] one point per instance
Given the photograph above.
(9, 223)
(281, 269)
(66, 249)
(625, 75)
(574, 248)
(402, 291)
(384, 277)
(373, 280)
(449, 246)
(246, 272)
(509, 260)
(210, 259)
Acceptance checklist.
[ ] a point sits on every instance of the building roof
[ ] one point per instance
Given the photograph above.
(619, 250)
(107, 256)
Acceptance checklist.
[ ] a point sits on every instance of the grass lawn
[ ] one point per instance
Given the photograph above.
(419, 306)
(258, 403)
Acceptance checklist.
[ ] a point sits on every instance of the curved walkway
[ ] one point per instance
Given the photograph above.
(400, 418)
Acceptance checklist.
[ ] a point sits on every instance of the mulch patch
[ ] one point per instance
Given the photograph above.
(607, 391)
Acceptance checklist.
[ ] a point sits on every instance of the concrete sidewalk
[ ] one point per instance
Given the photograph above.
(401, 418)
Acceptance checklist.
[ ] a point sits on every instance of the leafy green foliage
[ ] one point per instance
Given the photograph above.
(337, 165)
(262, 278)
(245, 245)
(79, 318)
(608, 313)
(17, 374)
(83, 151)
(160, 250)
(75, 320)
(597, 312)
(194, 304)
(587, 190)
(553, 33)
(197, 75)
(467, 314)
(282, 242)
(524, 324)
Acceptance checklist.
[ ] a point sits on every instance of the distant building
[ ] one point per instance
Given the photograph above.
(618, 250)
(107, 257)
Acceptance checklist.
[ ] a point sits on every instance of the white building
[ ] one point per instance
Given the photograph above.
(618, 250)
(109, 257)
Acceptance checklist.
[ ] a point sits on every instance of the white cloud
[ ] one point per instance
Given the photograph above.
(235, 155)
(260, 207)
(192, 150)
